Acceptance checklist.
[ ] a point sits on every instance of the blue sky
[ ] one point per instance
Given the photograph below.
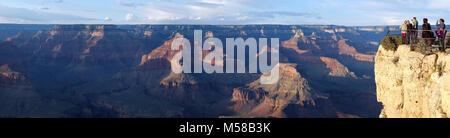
(337, 12)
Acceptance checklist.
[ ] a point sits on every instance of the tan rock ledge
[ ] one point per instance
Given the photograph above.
(412, 85)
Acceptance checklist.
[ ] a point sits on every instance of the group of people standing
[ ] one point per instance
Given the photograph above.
(410, 31)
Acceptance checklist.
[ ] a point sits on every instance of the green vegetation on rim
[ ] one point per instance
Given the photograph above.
(391, 42)
(423, 48)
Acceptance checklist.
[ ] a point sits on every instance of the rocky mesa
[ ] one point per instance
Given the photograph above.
(412, 85)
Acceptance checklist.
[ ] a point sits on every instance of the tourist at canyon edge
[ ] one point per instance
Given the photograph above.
(404, 29)
(409, 33)
(415, 24)
(427, 35)
(441, 33)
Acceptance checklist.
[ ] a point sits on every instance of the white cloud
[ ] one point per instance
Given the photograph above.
(241, 18)
(22, 15)
(209, 12)
(394, 12)
(342, 12)
(107, 19)
(129, 17)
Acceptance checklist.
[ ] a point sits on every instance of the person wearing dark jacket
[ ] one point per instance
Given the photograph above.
(427, 35)
(410, 32)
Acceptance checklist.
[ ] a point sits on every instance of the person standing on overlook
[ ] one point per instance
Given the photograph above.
(404, 30)
(409, 34)
(415, 24)
(426, 33)
(441, 33)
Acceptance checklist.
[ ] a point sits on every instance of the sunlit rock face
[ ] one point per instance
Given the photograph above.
(412, 85)
(125, 71)
(291, 96)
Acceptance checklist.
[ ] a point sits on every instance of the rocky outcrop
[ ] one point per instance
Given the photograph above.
(336, 68)
(290, 97)
(293, 42)
(412, 85)
(162, 52)
(345, 49)
(9, 76)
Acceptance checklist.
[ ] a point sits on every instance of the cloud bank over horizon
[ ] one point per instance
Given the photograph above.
(337, 12)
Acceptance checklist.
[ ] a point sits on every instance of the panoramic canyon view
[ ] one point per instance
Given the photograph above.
(225, 61)
(124, 71)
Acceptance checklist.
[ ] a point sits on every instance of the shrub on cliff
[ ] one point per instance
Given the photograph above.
(395, 60)
(423, 48)
(391, 42)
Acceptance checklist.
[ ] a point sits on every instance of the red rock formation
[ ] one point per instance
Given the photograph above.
(9, 77)
(162, 52)
(337, 69)
(259, 100)
(293, 42)
(345, 49)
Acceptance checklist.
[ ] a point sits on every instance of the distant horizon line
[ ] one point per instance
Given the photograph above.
(201, 24)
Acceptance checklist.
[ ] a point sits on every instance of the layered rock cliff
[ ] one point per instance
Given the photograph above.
(412, 85)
